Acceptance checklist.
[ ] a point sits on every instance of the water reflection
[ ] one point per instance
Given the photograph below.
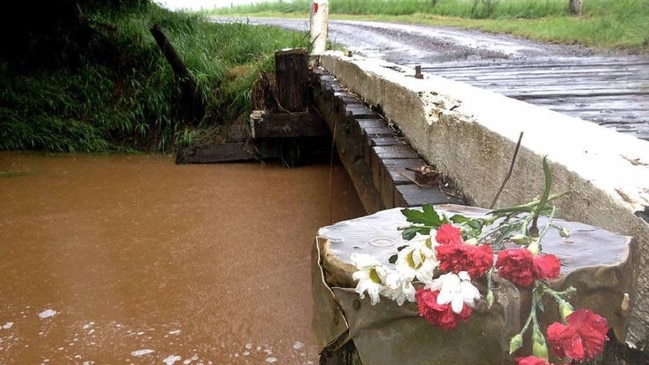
(133, 259)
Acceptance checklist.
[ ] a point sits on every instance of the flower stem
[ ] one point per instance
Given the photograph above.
(532, 316)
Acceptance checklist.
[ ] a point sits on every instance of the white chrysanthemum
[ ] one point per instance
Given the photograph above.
(372, 277)
(417, 260)
(402, 292)
(456, 289)
(363, 261)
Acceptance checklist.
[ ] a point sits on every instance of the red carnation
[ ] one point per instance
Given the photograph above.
(448, 234)
(517, 266)
(521, 267)
(439, 315)
(582, 339)
(476, 260)
(546, 267)
(531, 360)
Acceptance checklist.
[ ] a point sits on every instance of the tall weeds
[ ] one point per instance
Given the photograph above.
(124, 96)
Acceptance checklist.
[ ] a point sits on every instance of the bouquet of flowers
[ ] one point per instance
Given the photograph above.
(445, 256)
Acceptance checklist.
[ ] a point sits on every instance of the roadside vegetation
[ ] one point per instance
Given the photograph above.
(106, 85)
(604, 24)
(91, 78)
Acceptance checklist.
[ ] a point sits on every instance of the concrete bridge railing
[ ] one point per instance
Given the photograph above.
(470, 134)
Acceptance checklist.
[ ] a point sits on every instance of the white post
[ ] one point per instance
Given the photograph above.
(319, 26)
(575, 7)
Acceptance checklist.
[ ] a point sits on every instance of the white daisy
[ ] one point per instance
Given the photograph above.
(402, 292)
(456, 289)
(417, 260)
(372, 277)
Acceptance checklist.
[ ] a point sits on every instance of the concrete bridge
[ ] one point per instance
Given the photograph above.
(606, 88)
(388, 121)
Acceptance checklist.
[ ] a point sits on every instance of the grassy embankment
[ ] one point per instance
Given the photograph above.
(123, 95)
(604, 24)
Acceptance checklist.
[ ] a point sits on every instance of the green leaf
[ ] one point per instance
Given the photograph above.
(393, 258)
(506, 231)
(475, 224)
(410, 232)
(432, 218)
(413, 215)
(426, 216)
(548, 186)
(458, 218)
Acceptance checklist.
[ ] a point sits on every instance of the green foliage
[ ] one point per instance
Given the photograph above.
(122, 94)
(457, 8)
(518, 223)
(607, 24)
(423, 221)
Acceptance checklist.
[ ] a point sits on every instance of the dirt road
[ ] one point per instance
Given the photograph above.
(608, 88)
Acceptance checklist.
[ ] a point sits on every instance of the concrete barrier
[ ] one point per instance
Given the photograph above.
(471, 134)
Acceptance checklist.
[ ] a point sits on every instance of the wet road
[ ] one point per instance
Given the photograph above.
(610, 89)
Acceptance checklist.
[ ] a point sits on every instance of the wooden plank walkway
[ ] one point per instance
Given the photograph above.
(610, 91)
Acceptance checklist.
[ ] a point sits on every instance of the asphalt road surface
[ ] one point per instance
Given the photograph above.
(608, 88)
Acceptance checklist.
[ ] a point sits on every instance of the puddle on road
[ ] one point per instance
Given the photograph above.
(136, 260)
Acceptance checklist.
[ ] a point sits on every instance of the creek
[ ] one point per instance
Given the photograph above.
(132, 259)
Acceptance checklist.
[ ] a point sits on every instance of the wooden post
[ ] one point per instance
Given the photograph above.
(291, 70)
(192, 101)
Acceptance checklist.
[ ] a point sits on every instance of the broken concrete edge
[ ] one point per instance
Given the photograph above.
(471, 134)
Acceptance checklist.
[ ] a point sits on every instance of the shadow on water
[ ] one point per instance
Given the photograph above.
(134, 259)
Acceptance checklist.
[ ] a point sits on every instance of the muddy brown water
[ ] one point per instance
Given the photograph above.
(131, 259)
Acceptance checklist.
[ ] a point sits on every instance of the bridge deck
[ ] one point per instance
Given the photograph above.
(610, 91)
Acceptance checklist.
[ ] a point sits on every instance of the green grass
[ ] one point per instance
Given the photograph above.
(124, 96)
(118, 92)
(604, 24)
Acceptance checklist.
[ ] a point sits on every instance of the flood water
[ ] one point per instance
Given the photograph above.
(131, 259)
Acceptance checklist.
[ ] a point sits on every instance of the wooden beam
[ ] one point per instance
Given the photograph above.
(225, 152)
(192, 101)
(283, 125)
